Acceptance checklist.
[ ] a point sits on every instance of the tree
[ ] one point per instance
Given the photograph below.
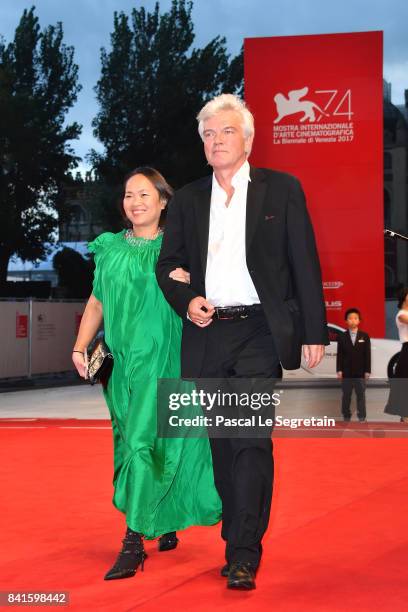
(38, 85)
(152, 85)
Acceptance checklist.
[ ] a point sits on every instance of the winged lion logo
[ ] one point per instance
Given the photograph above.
(293, 105)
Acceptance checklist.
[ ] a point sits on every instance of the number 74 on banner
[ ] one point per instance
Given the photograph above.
(342, 106)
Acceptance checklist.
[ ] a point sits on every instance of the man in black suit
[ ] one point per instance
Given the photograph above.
(353, 364)
(255, 297)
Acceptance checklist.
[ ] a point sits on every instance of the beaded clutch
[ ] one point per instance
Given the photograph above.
(100, 362)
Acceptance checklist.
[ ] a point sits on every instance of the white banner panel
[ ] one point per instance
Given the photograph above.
(14, 331)
(55, 326)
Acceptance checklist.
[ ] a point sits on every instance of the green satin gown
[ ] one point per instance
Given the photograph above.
(160, 484)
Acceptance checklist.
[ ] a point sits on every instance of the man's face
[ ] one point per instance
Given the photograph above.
(353, 320)
(225, 145)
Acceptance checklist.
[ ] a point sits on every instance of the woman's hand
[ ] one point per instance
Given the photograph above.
(179, 274)
(90, 323)
(80, 363)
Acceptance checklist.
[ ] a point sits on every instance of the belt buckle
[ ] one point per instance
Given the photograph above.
(221, 318)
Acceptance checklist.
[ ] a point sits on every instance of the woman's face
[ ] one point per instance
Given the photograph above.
(142, 203)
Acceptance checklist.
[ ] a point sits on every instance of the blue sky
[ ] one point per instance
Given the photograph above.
(88, 23)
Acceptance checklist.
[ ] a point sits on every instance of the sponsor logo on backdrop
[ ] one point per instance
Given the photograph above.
(322, 116)
(21, 325)
(334, 304)
(332, 284)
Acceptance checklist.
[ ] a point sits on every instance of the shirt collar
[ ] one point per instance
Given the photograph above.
(242, 175)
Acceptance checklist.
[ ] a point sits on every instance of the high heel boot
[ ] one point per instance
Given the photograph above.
(130, 557)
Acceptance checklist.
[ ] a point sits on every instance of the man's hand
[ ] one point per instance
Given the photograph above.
(339, 374)
(179, 274)
(367, 375)
(313, 354)
(202, 318)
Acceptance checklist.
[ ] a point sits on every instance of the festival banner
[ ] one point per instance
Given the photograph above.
(317, 102)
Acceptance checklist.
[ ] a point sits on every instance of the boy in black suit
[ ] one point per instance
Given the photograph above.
(353, 364)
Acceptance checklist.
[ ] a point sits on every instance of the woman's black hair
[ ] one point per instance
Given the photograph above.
(159, 183)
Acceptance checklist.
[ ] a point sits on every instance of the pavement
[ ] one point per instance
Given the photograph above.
(87, 402)
(78, 402)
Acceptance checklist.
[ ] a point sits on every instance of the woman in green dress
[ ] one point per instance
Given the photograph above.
(160, 484)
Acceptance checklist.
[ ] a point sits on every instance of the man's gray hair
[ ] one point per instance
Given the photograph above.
(226, 102)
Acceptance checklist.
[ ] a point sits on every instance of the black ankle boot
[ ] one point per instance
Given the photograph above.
(131, 556)
(168, 541)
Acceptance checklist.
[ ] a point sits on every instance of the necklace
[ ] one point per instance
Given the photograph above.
(139, 240)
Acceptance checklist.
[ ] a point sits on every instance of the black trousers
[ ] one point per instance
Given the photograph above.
(397, 400)
(359, 386)
(243, 467)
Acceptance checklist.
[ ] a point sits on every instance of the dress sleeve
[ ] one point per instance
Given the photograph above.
(98, 247)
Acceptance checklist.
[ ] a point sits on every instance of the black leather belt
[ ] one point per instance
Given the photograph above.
(236, 312)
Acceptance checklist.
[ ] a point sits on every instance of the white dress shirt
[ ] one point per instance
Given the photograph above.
(227, 280)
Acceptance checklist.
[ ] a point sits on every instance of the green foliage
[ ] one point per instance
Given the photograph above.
(152, 84)
(38, 85)
(103, 204)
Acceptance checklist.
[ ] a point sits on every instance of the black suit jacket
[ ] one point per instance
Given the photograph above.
(353, 360)
(281, 258)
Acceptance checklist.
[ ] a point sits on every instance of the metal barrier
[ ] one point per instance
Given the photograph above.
(37, 336)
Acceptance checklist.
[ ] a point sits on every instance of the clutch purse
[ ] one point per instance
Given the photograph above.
(100, 362)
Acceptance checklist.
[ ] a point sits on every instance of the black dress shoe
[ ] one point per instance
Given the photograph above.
(225, 570)
(168, 541)
(241, 576)
(131, 556)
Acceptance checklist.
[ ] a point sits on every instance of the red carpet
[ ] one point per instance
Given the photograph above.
(337, 540)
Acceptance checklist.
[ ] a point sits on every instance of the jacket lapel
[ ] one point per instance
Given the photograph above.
(255, 198)
(353, 346)
(348, 338)
(202, 202)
